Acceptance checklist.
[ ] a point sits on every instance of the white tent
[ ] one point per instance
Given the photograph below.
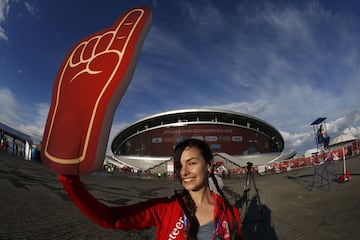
(342, 139)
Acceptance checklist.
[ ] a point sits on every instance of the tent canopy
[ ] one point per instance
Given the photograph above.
(15, 133)
(342, 139)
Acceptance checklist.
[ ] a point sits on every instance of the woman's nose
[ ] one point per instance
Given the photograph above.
(183, 171)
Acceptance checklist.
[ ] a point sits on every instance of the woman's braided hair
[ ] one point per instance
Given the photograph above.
(185, 200)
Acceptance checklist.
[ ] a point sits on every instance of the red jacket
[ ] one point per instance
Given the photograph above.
(164, 213)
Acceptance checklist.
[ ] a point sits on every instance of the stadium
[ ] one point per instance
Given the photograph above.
(235, 139)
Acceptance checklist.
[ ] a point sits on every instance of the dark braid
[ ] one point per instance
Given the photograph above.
(194, 222)
(234, 229)
(189, 208)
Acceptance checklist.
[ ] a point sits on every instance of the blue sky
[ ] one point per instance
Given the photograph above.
(285, 62)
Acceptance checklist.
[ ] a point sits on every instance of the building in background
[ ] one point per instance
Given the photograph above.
(233, 137)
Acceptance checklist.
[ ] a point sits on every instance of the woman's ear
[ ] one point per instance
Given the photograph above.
(210, 167)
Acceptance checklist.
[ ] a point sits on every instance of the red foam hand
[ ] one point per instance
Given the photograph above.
(88, 87)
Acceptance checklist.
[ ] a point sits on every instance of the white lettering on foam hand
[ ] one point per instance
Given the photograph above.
(178, 226)
(227, 230)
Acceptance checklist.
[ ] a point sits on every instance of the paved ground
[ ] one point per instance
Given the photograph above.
(35, 206)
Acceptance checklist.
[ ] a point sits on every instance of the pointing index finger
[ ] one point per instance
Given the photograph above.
(129, 26)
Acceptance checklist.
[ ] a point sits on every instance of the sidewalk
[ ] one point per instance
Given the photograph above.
(35, 206)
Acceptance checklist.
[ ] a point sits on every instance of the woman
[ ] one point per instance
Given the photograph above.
(194, 213)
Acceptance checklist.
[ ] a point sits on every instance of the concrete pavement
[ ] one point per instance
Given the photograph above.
(35, 206)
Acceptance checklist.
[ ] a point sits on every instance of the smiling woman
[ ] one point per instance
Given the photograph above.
(194, 165)
(193, 213)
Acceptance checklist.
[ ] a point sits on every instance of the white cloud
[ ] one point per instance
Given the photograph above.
(9, 106)
(39, 116)
(30, 8)
(353, 131)
(25, 117)
(256, 108)
(302, 140)
(204, 17)
(274, 64)
(115, 130)
(348, 124)
(4, 9)
(298, 140)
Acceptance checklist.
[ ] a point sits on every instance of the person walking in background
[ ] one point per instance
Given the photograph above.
(323, 138)
(6, 144)
(2, 142)
(195, 212)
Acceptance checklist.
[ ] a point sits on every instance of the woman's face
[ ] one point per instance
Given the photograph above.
(194, 170)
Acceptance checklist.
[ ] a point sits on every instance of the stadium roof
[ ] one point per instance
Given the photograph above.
(198, 116)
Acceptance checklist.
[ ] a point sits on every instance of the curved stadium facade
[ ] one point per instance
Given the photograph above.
(225, 131)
